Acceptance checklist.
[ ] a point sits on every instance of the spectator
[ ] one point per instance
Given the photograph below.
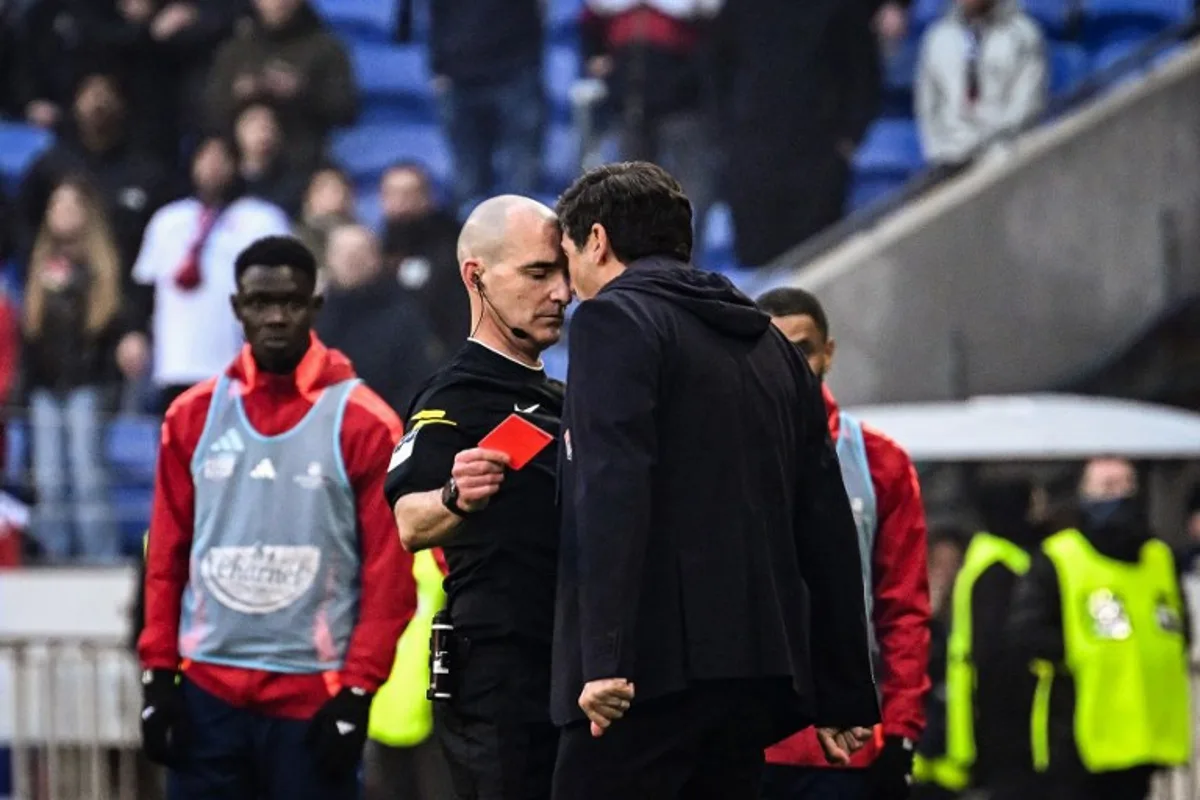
(52, 49)
(286, 55)
(792, 129)
(72, 299)
(369, 318)
(487, 61)
(652, 55)
(982, 72)
(264, 169)
(165, 48)
(328, 204)
(132, 184)
(187, 262)
(420, 241)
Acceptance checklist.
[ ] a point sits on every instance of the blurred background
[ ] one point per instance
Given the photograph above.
(991, 197)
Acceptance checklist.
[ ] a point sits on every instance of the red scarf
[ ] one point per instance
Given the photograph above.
(188, 277)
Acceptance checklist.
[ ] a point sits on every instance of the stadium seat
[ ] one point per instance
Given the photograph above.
(16, 452)
(718, 237)
(1107, 20)
(1116, 51)
(1054, 16)
(366, 20)
(899, 74)
(924, 13)
(867, 189)
(561, 157)
(890, 149)
(20, 145)
(394, 80)
(131, 445)
(131, 505)
(366, 150)
(562, 20)
(561, 70)
(1069, 65)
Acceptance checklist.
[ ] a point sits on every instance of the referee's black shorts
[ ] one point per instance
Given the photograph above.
(496, 733)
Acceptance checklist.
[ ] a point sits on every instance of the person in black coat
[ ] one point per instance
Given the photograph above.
(710, 594)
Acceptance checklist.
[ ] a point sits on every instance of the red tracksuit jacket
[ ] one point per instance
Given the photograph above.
(274, 404)
(901, 613)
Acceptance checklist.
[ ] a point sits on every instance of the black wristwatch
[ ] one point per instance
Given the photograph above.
(450, 499)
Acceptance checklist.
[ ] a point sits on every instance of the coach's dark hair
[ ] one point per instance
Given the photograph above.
(792, 302)
(642, 208)
(276, 251)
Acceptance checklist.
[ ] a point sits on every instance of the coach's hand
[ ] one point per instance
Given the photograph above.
(478, 474)
(840, 744)
(605, 702)
(338, 731)
(163, 716)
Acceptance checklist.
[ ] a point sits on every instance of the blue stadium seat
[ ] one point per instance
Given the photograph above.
(1054, 16)
(561, 70)
(890, 149)
(561, 157)
(1115, 51)
(131, 446)
(1069, 65)
(1107, 20)
(366, 150)
(562, 20)
(717, 248)
(368, 208)
(899, 75)
(924, 13)
(395, 79)
(368, 20)
(16, 452)
(131, 505)
(20, 145)
(867, 189)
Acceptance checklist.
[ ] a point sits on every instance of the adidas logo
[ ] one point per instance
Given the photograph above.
(263, 470)
(229, 442)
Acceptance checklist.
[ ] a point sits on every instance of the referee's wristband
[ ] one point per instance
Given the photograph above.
(450, 499)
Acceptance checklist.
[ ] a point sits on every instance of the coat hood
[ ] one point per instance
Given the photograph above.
(706, 295)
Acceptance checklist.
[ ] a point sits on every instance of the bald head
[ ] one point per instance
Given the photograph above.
(489, 229)
(352, 255)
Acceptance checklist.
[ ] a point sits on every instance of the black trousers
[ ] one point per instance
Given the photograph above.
(496, 733)
(705, 743)
(1130, 784)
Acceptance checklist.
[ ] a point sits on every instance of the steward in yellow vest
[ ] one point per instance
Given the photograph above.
(1101, 617)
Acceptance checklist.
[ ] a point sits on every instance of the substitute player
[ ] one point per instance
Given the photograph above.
(276, 585)
(886, 500)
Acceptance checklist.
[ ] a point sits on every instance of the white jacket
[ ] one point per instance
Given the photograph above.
(1012, 80)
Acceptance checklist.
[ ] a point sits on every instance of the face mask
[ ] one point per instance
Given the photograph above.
(1111, 512)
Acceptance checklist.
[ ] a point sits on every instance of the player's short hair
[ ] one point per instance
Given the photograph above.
(642, 208)
(794, 302)
(276, 251)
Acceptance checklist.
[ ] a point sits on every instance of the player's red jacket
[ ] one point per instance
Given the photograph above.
(901, 613)
(388, 599)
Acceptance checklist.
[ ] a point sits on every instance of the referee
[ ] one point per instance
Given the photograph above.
(498, 528)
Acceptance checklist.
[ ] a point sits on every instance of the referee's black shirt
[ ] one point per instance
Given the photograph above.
(503, 560)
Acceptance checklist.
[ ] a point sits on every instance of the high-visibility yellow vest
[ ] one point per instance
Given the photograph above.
(952, 771)
(1127, 655)
(400, 714)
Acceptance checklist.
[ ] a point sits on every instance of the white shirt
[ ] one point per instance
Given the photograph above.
(195, 332)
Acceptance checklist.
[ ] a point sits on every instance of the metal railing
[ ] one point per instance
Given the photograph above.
(69, 712)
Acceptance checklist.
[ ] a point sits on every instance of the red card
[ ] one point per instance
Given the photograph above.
(519, 438)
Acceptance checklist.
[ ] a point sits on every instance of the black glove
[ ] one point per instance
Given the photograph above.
(338, 731)
(163, 716)
(890, 775)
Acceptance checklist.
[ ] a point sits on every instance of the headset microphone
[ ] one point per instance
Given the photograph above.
(517, 332)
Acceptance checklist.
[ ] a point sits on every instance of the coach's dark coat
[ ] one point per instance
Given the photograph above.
(706, 532)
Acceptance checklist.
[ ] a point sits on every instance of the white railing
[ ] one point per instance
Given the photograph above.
(69, 713)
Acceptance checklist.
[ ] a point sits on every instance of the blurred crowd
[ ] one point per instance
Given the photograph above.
(185, 130)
